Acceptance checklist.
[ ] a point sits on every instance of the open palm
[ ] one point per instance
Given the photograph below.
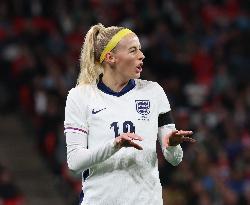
(176, 137)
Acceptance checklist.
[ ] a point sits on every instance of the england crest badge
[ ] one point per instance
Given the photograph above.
(143, 108)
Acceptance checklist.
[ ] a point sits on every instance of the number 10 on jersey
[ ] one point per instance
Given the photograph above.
(127, 126)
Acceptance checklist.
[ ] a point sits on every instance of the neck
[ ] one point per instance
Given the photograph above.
(114, 82)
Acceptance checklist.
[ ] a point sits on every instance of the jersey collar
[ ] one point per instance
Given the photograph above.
(101, 86)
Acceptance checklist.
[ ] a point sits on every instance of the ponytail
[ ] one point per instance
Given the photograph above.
(90, 69)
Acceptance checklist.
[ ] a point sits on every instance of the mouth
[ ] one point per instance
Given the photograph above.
(139, 68)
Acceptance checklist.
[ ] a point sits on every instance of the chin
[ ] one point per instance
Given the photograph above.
(137, 75)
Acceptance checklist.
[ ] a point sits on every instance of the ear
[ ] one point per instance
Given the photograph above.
(110, 58)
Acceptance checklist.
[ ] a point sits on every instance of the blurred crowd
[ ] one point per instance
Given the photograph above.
(197, 50)
(9, 192)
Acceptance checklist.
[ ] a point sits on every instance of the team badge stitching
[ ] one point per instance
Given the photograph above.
(143, 108)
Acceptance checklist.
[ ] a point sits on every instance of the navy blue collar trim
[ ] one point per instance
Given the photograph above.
(101, 86)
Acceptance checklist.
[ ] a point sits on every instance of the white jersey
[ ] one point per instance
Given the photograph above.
(129, 176)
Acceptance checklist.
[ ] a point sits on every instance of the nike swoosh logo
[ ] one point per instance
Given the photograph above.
(96, 111)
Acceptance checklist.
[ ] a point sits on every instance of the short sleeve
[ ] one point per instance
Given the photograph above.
(163, 103)
(75, 114)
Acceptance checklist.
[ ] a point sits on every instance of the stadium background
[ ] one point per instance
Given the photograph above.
(197, 50)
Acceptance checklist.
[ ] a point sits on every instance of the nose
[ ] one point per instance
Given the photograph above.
(141, 55)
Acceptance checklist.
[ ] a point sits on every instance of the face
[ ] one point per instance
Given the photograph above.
(128, 57)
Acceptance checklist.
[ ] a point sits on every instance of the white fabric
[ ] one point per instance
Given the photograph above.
(126, 176)
(80, 158)
(173, 154)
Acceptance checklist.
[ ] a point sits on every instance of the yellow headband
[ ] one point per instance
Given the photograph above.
(114, 41)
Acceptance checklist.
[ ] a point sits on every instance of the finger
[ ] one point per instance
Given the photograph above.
(133, 144)
(174, 132)
(184, 133)
(126, 140)
(125, 137)
(188, 139)
(135, 136)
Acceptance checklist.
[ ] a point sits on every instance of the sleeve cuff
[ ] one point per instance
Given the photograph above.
(174, 154)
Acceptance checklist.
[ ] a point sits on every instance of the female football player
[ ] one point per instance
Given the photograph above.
(113, 119)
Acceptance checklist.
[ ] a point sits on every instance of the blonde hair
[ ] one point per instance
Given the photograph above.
(95, 41)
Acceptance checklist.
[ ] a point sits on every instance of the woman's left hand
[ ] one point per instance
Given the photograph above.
(177, 137)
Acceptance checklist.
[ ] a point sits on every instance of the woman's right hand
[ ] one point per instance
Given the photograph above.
(127, 140)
